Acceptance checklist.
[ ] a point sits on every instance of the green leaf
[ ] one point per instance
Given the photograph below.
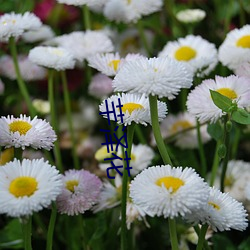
(11, 236)
(241, 116)
(215, 130)
(222, 242)
(245, 244)
(222, 102)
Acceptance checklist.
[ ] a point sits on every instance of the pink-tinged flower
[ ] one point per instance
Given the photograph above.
(80, 192)
(100, 86)
(29, 70)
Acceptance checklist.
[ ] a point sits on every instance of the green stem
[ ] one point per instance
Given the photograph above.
(82, 227)
(205, 244)
(140, 135)
(86, 17)
(143, 37)
(226, 158)
(27, 229)
(156, 130)
(18, 153)
(124, 231)
(66, 96)
(50, 233)
(215, 164)
(236, 142)
(173, 235)
(202, 237)
(203, 170)
(242, 14)
(20, 81)
(54, 120)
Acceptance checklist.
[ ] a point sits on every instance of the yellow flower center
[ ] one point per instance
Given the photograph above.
(114, 64)
(129, 1)
(70, 185)
(102, 153)
(130, 107)
(180, 125)
(214, 205)
(20, 126)
(229, 181)
(227, 92)
(23, 186)
(244, 42)
(170, 182)
(6, 156)
(185, 53)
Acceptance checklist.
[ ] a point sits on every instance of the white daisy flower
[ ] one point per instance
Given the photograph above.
(110, 63)
(243, 69)
(200, 103)
(133, 213)
(141, 157)
(130, 11)
(110, 195)
(42, 106)
(135, 109)
(42, 34)
(235, 49)
(191, 15)
(14, 25)
(174, 124)
(51, 57)
(167, 191)
(29, 70)
(236, 179)
(28, 186)
(129, 41)
(85, 44)
(197, 53)
(156, 76)
(89, 3)
(221, 212)
(247, 191)
(26, 132)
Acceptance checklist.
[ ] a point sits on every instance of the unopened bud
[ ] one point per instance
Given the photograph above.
(222, 150)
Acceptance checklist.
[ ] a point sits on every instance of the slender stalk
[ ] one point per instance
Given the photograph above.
(226, 158)
(27, 229)
(205, 244)
(143, 37)
(203, 169)
(242, 13)
(215, 164)
(86, 17)
(18, 153)
(66, 96)
(202, 235)
(53, 119)
(50, 233)
(21, 84)
(140, 135)
(156, 130)
(173, 235)
(236, 142)
(82, 227)
(124, 231)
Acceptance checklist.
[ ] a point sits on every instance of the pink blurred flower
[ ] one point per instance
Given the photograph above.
(80, 192)
(100, 86)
